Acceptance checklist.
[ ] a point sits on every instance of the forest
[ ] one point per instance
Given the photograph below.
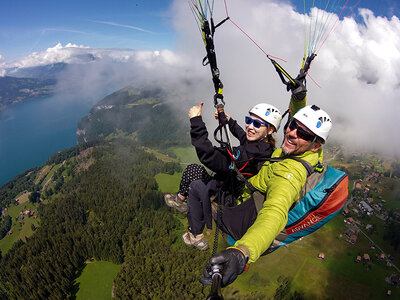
(114, 212)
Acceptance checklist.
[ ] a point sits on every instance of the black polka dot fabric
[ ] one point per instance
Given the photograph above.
(191, 173)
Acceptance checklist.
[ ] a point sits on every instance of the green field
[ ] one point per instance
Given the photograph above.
(96, 280)
(186, 155)
(170, 183)
(21, 229)
(338, 276)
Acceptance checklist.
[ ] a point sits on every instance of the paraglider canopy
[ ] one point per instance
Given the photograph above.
(321, 19)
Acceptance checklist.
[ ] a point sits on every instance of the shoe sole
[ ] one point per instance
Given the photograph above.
(173, 204)
(192, 245)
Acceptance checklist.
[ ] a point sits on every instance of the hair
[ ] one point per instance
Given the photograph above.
(270, 139)
(320, 140)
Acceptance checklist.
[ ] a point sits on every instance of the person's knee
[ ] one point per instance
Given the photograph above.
(197, 185)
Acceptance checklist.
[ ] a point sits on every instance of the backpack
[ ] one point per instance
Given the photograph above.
(325, 196)
(322, 197)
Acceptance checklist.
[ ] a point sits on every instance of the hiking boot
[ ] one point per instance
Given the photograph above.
(173, 200)
(198, 241)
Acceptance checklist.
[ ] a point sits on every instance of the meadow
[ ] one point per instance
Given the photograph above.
(20, 228)
(96, 280)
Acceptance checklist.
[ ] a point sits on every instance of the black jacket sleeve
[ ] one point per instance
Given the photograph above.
(214, 158)
(237, 131)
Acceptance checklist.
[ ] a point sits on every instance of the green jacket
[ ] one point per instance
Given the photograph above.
(281, 182)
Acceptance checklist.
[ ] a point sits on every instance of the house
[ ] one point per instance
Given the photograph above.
(345, 212)
(395, 279)
(382, 256)
(378, 207)
(366, 257)
(349, 220)
(389, 293)
(370, 200)
(358, 259)
(369, 227)
(10, 232)
(353, 239)
(366, 208)
(358, 186)
(321, 256)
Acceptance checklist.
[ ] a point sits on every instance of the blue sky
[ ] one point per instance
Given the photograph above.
(27, 26)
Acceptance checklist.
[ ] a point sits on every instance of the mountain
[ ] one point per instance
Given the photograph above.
(50, 71)
(142, 113)
(14, 90)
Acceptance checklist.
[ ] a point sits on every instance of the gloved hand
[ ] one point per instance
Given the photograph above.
(233, 262)
(299, 92)
(298, 88)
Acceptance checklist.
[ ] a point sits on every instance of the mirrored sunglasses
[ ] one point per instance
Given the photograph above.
(256, 123)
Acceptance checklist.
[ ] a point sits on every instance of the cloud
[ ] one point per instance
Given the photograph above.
(123, 25)
(357, 71)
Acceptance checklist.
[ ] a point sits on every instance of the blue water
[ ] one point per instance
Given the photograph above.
(30, 132)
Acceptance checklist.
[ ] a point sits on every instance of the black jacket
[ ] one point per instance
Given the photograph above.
(248, 155)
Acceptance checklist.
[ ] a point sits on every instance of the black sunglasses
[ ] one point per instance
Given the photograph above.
(256, 123)
(301, 133)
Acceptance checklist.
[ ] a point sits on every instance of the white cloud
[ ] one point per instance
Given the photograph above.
(358, 68)
(70, 53)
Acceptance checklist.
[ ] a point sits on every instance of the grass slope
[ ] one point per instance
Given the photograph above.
(170, 183)
(96, 280)
(21, 229)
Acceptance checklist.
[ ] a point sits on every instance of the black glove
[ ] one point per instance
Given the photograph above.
(299, 92)
(233, 263)
(298, 88)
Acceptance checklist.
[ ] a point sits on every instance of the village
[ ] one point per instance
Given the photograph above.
(364, 210)
(24, 212)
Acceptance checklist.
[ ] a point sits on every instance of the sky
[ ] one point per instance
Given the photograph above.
(355, 76)
(28, 26)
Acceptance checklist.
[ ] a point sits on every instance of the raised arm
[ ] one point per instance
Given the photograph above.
(212, 157)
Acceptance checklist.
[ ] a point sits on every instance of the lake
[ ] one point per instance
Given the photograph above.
(31, 131)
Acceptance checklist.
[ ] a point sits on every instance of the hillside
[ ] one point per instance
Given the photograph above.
(142, 114)
(14, 90)
(102, 200)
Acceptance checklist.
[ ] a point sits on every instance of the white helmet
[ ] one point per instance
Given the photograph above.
(267, 113)
(315, 119)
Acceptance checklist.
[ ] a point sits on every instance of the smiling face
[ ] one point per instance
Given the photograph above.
(293, 144)
(255, 134)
